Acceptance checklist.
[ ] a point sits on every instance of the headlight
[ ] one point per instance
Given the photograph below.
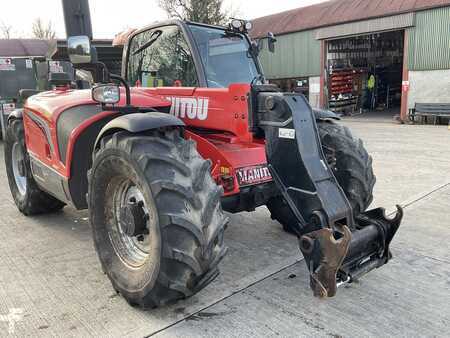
(236, 24)
(106, 94)
(248, 26)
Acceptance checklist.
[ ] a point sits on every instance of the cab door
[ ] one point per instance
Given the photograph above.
(161, 57)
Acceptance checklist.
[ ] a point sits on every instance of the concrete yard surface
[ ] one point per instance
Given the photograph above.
(51, 283)
(410, 297)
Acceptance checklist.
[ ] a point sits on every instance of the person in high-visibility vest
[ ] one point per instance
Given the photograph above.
(371, 82)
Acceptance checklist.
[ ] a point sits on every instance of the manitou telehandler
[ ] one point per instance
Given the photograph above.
(190, 129)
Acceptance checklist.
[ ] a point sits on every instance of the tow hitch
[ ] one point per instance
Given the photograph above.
(338, 248)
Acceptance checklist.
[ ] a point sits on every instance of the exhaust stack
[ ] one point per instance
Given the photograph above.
(77, 17)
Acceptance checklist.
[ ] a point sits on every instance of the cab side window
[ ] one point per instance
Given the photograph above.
(161, 57)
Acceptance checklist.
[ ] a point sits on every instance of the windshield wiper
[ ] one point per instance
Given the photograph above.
(155, 36)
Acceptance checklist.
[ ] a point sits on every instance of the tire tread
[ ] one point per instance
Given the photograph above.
(183, 270)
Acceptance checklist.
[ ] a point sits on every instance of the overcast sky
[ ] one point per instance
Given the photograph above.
(111, 16)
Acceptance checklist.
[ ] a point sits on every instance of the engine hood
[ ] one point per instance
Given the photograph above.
(52, 103)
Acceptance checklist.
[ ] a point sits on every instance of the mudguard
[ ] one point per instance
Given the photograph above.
(322, 114)
(140, 122)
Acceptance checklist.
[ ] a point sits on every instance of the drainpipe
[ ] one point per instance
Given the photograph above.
(323, 67)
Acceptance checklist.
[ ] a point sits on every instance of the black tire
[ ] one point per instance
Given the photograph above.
(351, 165)
(185, 223)
(29, 200)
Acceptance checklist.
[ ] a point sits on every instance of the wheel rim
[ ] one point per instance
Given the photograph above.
(18, 164)
(132, 249)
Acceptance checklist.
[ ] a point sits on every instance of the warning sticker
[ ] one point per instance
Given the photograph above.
(405, 86)
(286, 133)
(29, 64)
(7, 65)
(8, 108)
(55, 67)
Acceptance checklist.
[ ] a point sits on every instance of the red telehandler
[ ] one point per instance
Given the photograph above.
(191, 129)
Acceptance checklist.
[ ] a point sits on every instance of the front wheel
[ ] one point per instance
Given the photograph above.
(351, 165)
(156, 216)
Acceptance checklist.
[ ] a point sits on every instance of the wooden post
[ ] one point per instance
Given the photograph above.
(405, 81)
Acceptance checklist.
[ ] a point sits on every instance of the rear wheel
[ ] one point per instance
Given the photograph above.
(351, 164)
(29, 199)
(156, 216)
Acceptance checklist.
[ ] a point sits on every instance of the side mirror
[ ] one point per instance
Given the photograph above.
(106, 94)
(271, 41)
(79, 49)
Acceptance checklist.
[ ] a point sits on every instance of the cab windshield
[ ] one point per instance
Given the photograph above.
(226, 58)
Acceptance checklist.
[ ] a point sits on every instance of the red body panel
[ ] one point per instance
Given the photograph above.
(229, 155)
(227, 108)
(217, 119)
(232, 146)
(48, 106)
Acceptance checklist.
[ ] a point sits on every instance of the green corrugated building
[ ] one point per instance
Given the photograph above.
(329, 50)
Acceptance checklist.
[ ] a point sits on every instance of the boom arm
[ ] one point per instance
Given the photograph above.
(336, 247)
(77, 17)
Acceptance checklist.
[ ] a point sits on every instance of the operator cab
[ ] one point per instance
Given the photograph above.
(178, 54)
(187, 54)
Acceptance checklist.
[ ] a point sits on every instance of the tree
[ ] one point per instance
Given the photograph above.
(205, 11)
(43, 31)
(5, 30)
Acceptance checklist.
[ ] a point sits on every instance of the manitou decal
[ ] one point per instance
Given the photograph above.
(253, 175)
(192, 108)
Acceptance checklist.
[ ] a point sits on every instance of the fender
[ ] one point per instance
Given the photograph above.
(139, 122)
(322, 114)
(94, 131)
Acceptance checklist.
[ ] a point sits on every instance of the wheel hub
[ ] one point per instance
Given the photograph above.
(132, 237)
(18, 166)
(134, 219)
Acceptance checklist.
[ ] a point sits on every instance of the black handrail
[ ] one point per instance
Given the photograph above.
(125, 84)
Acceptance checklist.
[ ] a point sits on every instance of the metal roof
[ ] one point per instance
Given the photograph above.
(39, 48)
(337, 12)
(106, 53)
(23, 47)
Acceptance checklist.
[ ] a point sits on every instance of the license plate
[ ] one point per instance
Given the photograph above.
(253, 175)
